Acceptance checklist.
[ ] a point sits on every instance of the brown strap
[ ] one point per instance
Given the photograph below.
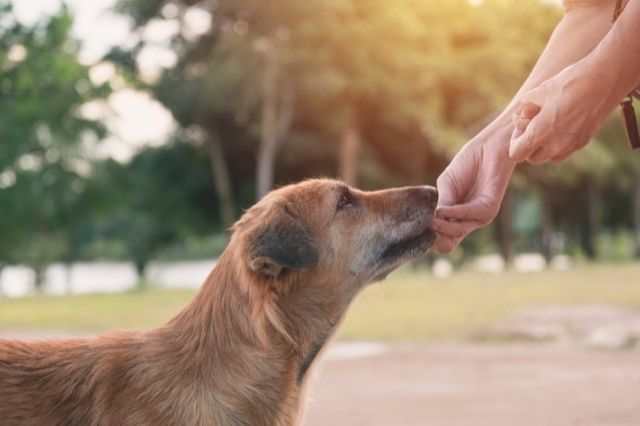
(628, 114)
(630, 122)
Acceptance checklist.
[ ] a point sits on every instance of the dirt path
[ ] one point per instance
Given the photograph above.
(459, 385)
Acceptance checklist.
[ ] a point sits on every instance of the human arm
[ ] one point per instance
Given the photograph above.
(472, 186)
(564, 113)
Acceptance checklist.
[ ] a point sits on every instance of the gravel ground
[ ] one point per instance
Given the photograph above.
(478, 385)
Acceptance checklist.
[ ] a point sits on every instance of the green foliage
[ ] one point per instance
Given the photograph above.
(42, 88)
(157, 199)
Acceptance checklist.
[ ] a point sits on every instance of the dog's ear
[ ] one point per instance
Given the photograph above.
(282, 243)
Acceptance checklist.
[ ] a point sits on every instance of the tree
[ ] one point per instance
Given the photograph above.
(624, 176)
(234, 72)
(42, 129)
(159, 197)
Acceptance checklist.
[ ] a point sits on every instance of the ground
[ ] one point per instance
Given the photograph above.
(479, 385)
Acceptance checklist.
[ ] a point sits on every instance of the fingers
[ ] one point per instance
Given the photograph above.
(446, 189)
(445, 244)
(480, 211)
(523, 146)
(525, 140)
(453, 229)
(458, 178)
(523, 116)
(542, 155)
(454, 223)
(450, 233)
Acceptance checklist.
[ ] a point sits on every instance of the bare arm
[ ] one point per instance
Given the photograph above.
(615, 62)
(576, 35)
(562, 115)
(473, 185)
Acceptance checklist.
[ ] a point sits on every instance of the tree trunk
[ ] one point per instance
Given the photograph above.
(68, 265)
(277, 116)
(546, 225)
(221, 179)
(140, 266)
(503, 230)
(636, 214)
(590, 222)
(72, 242)
(38, 278)
(349, 153)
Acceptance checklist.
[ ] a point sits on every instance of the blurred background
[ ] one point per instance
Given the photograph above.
(134, 132)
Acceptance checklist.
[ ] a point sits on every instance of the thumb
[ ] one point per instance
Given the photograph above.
(446, 190)
(524, 141)
(523, 116)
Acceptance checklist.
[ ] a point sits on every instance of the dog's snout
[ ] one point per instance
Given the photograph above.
(426, 195)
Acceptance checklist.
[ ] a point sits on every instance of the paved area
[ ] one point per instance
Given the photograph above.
(478, 385)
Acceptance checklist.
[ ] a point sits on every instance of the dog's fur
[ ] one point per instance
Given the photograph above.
(240, 353)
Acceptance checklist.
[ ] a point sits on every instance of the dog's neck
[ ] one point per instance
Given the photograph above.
(263, 342)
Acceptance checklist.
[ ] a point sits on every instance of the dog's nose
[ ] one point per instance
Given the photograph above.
(427, 195)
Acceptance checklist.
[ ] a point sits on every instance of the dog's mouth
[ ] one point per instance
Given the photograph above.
(410, 247)
(404, 250)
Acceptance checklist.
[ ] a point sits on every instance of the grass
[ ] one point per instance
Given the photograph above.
(98, 312)
(409, 305)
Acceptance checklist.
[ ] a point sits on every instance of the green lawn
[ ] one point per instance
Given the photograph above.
(407, 306)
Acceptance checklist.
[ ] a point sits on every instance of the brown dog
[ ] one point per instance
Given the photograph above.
(240, 353)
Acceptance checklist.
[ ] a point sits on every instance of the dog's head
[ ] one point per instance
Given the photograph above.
(342, 236)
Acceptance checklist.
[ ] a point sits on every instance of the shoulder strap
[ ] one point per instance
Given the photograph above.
(628, 113)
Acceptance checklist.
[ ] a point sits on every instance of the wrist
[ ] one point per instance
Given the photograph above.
(494, 141)
(498, 132)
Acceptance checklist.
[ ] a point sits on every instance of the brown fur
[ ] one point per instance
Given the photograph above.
(238, 354)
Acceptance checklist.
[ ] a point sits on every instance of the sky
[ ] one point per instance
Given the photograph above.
(134, 118)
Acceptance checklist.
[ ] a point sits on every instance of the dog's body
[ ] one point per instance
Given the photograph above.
(240, 353)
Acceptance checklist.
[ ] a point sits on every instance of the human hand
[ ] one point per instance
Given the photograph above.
(559, 117)
(472, 187)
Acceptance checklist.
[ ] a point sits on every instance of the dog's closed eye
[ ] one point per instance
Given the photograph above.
(346, 200)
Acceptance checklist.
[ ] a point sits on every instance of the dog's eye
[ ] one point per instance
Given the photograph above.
(346, 201)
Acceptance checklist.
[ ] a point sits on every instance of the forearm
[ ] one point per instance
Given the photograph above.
(575, 36)
(615, 63)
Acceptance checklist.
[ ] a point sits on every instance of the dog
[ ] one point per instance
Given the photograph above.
(241, 352)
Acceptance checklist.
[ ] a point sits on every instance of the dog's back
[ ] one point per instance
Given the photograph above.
(139, 379)
(68, 382)
(36, 378)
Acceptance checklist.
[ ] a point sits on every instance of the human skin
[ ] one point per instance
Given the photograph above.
(562, 114)
(474, 183)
